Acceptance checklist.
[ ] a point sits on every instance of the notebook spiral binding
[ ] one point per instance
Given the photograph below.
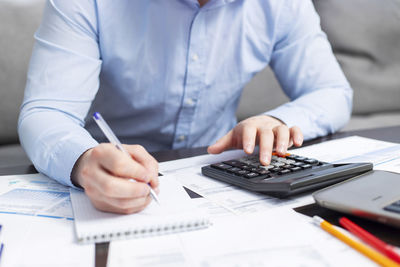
(145, 232)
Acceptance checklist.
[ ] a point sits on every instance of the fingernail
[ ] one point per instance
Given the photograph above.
(290, 143)
(265, 158)
(146, 190)
(281, 148)
(145, 179)
(248, 148)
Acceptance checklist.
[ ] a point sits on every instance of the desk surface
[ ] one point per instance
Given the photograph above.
(390, 134)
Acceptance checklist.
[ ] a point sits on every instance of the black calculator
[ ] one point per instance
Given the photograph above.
(286, 175)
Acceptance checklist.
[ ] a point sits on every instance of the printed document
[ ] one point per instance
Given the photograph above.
(279, 237)
(384, 155)
(32, 241)
(234, 199)
(34, 195)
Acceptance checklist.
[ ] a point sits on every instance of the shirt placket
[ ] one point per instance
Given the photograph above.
(194, 81)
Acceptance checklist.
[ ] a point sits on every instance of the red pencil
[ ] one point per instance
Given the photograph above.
(370, 239)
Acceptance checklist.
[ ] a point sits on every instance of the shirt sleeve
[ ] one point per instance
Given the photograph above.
(63, 79)
(304, 64)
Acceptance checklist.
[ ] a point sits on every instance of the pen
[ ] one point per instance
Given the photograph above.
(367, 251)
(370, 239)
(1, 245)
(1, 250)
(114, 140)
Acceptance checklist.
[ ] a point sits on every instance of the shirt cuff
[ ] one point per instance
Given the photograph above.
(293, 115)
(284, 114)
(64, 157)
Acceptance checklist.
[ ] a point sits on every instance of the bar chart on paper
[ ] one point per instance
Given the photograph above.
(35, 195)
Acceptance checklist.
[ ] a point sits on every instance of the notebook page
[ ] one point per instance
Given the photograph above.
(174, 214)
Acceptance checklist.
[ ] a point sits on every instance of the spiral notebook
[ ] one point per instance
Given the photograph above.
(174, 214)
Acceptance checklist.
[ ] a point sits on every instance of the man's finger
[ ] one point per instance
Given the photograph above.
(296, 135)
(155, 182)
(266, 141)
(249, 139)
(222, 144)
(121, 207)
(282, 136)
(119, 164)
(128, 205)
(115, 187)
(140, 154)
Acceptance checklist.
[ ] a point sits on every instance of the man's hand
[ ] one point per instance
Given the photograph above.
(266, 131)
(105, 172)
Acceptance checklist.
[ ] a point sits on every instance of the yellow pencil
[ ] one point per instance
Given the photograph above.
(360, 247)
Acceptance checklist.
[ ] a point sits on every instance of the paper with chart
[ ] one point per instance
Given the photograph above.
(233, 199)
(222, 199)
(384, 155)
(279, 237)
(32, 241)
(267, 232)
(386, 159)
(34, 195)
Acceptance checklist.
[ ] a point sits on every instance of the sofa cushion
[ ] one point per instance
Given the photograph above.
(18, 23)
(365, 36)
(386, 119)
(13, 155)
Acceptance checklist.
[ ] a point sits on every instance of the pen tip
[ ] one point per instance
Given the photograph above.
(96, 115)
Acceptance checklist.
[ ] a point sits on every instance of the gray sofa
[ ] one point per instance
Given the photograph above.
(365, 35)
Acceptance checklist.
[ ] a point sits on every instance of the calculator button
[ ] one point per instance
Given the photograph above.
(251, 175)
(221, 166)
(276, 154)
(295, 169)
(267, 167)
(234, 169)
(311, 161)
(262, 171)
(242, 172)
(278, 164)
(276, 169)
(286, 171)
(283, 160)
(298, 164)
(306, 166)
(287, 166)
(248, 167)
(234, 163)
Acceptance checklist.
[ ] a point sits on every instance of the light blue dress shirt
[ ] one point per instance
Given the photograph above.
(168, 74)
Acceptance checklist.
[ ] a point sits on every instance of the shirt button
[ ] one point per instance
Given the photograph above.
(195, 57)
(181, 138)
(189, 102)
